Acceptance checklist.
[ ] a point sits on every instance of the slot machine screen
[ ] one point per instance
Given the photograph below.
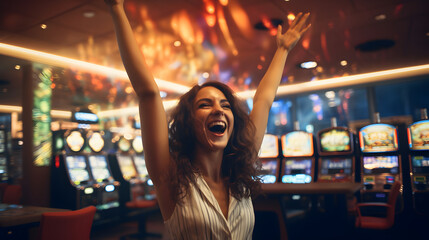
(332, 166)
(75, 141)
(127, 167)
(378, 138)
(141, 167)
(99, 169)
(297, 171)
(96, 142)
(2, 141)
(138, 144)
(420, 164)
(124, 145)
(335, 140)
(380, 164)
(269, 171)
(269, 147)
(418, 135)
(76, 166)
(297, 143)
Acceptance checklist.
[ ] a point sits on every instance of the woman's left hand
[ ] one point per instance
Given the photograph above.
(298, 27)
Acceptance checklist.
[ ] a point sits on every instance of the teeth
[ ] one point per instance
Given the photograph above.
(217, 123)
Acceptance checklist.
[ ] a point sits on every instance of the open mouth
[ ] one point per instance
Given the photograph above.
(217, 127)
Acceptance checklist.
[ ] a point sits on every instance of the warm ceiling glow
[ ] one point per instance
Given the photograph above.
(43, 26)
(17, 67)
(58, 61)
(223, 2)
(291, 16)
(343, 63)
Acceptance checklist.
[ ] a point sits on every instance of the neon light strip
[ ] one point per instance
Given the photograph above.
(58, 61)
(359, 79)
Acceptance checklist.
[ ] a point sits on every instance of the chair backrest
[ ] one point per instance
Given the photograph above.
(391, 200)
(12, 194)
(71, 225)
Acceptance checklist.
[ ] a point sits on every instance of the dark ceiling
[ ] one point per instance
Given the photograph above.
(370, 35)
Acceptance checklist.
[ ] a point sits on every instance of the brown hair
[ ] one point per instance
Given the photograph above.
(239, 158)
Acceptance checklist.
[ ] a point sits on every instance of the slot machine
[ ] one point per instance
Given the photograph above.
(298, 157)
(297, 167)
(418, 139)
(107, 187)
(140, 163)
(124, 170)
(269, 157)
(72, 186)
(4, 156)
(336, 161)
(380, 160)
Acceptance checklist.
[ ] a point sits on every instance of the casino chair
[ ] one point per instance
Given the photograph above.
(379, 223)
(70, 225)
(12, 194)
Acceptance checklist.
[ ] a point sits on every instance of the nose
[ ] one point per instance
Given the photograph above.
(218, 110)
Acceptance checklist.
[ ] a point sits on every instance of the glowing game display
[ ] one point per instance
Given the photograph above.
(96, 142)
(99, 168)
(335, 140)
(297, 171)
(75, 141)
(124, 145)
(138, 144)
(418, 135)
(420, 164)
(380, 164)
(378, 138)
(297, 143)
(269, 171)
(127, 167)
(269, 147)
(77, 169)
(141, 167)
(336, 166)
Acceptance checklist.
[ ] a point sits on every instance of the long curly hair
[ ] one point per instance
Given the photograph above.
(239, 165)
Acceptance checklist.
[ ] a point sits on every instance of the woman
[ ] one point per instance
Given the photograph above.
(204, 173)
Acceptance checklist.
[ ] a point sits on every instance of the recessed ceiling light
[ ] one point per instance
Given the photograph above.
(308, 65)
(343, 63)
(17, 67)
(43, 26)
(89, 14)
(380, 17)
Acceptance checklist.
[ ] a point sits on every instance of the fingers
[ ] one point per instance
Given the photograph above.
(302, 20)
(305, 29)
(295, 21)
(279, 30)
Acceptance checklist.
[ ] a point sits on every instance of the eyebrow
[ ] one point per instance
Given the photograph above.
(210, 100)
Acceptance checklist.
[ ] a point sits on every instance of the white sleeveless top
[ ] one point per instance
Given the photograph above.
(200, 217)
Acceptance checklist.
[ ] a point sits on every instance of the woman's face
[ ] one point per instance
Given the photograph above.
(213, 119)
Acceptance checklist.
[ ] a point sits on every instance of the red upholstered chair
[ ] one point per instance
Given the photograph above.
(3, 187)
(71, 225)
(12, 194)
(380, 223)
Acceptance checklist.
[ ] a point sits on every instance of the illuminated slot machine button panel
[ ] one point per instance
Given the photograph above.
(268, 154)
(297, 171)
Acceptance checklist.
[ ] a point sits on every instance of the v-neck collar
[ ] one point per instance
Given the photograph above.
(208, 194)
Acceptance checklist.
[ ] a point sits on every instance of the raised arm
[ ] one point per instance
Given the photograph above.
(267, 89)
(153, 119)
